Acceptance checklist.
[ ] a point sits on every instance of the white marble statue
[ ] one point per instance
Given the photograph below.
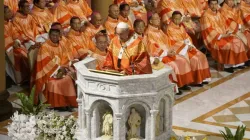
(107, 127)
(134, 123)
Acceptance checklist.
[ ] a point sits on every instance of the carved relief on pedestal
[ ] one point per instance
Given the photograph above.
(124, 108)
(134, 123)
(102, 87)
(107, 126)
(98, 86)
(101, 120)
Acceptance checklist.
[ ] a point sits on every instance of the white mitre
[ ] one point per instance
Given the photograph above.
(122, 25)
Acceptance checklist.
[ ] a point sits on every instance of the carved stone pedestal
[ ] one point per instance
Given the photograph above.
(148, 94)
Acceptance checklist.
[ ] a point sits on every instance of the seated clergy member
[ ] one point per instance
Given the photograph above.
(158, 46)
(127, 54)
(245, 12)
(54, 74)
(80, 42)
(100, 51)
(167, 7)
(63, 40)
(235, 24)
(26, 26)
(18, 68)
(95, 25)
(57, 25)
(79, 8)
(42, 15)
(225, 48)
(61, 13)
(124, 12)
(139, 28)
(137, 8)
(112, 20)
(182, 44)
(12, 4)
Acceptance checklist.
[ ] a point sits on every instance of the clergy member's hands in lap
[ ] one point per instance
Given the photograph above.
(61, 72)
(190, 47)
(16, 44)
(37, 45)
(59, 75)
(243, 28)
(186, 18)
(74, 61)
(134, 4)
(171, 53)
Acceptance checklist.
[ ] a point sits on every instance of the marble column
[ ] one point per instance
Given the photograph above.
(153, 114)
(5, 105)
(95, 124)
(2, 55)
(117, 125)
(80, 113)
(88, 121)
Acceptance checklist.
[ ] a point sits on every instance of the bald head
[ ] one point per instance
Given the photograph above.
(230, 3)
(24, 7)
(112, 6)
(155, 20)
(8, 14)
(114, 11)
(58, 26)
(139, 26)
(96, 19)
(101, 41)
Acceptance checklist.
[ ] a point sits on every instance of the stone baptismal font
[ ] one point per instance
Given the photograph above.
(115, 107)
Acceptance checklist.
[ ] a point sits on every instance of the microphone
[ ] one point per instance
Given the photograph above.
(119, 63)
(132, 64)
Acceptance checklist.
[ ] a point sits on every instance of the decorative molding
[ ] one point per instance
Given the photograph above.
(154, 112)
(118, 115)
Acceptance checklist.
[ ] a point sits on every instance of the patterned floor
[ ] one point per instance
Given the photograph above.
(223, 103)
(231, 114)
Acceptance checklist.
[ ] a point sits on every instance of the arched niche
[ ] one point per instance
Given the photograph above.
(161, 118)
(144, 120)
(98, 109)
(167, 102)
